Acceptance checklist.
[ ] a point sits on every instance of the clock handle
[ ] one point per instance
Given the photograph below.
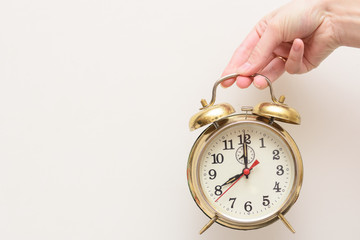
(234, 75)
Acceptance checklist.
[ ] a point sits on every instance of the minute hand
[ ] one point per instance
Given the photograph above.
(245, 148)
(246, 162)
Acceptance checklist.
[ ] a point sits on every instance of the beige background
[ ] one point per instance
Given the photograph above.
(95, 99)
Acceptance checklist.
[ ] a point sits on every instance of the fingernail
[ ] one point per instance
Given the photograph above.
(227, 83)
(296, 47)
(244, 68)
(256, 84)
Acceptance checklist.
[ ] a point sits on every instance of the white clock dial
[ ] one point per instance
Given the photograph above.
(246, 193)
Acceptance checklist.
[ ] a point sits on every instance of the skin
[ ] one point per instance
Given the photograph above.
(304, 32)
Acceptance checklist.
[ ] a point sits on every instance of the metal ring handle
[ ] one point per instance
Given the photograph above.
(233, 75)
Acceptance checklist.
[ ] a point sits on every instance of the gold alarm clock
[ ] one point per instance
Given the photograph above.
(244, 170)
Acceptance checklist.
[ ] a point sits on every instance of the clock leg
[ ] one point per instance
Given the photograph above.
(208, 224)
(286, 223)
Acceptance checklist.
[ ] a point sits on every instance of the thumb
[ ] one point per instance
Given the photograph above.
(262, 53)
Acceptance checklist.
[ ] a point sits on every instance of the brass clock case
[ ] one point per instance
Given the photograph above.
(193, 174)
(277, 111)
(210, 114)
(220, 118)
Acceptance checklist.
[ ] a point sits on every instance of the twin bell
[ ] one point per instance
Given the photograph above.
(275, 110)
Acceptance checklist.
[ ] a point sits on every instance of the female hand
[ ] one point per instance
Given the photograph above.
(304, 32)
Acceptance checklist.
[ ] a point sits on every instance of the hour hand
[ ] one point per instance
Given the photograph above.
(232, 179)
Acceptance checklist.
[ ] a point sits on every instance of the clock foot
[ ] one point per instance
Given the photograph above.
(287, 224)
(208, 224)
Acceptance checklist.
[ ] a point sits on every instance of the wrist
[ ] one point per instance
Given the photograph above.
(345, 19)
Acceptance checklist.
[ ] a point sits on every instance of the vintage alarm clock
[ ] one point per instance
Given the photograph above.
(244, 170)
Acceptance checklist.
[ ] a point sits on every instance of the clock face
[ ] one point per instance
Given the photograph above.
(246, 172)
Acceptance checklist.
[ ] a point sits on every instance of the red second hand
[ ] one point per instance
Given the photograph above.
(253, 165)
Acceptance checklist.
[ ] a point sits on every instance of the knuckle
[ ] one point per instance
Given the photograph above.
(261, 27)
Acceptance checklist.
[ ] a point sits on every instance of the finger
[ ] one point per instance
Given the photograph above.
(261, 56)
(272, 71)
(282, 50)
(243, 52)
(243, 82)
(240, 56)
(228, 82)
(294, 63)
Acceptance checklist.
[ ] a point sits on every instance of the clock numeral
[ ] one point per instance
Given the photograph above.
(247, 206)
(245, 137)
(280, 170)
(228, 145)
(218, 190)
(266, 201)
(217, 158)
(212, 174)
(262, 143)
(277, 187)
(232, 204)
(276, 155)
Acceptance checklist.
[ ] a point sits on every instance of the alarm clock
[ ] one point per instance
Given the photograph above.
(244, 170)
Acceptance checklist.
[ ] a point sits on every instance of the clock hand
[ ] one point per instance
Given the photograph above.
(256, 162)
(246, 171)
(233, 179)
(245, 156)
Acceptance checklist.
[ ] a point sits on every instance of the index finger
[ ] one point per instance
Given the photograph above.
(240, 56)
